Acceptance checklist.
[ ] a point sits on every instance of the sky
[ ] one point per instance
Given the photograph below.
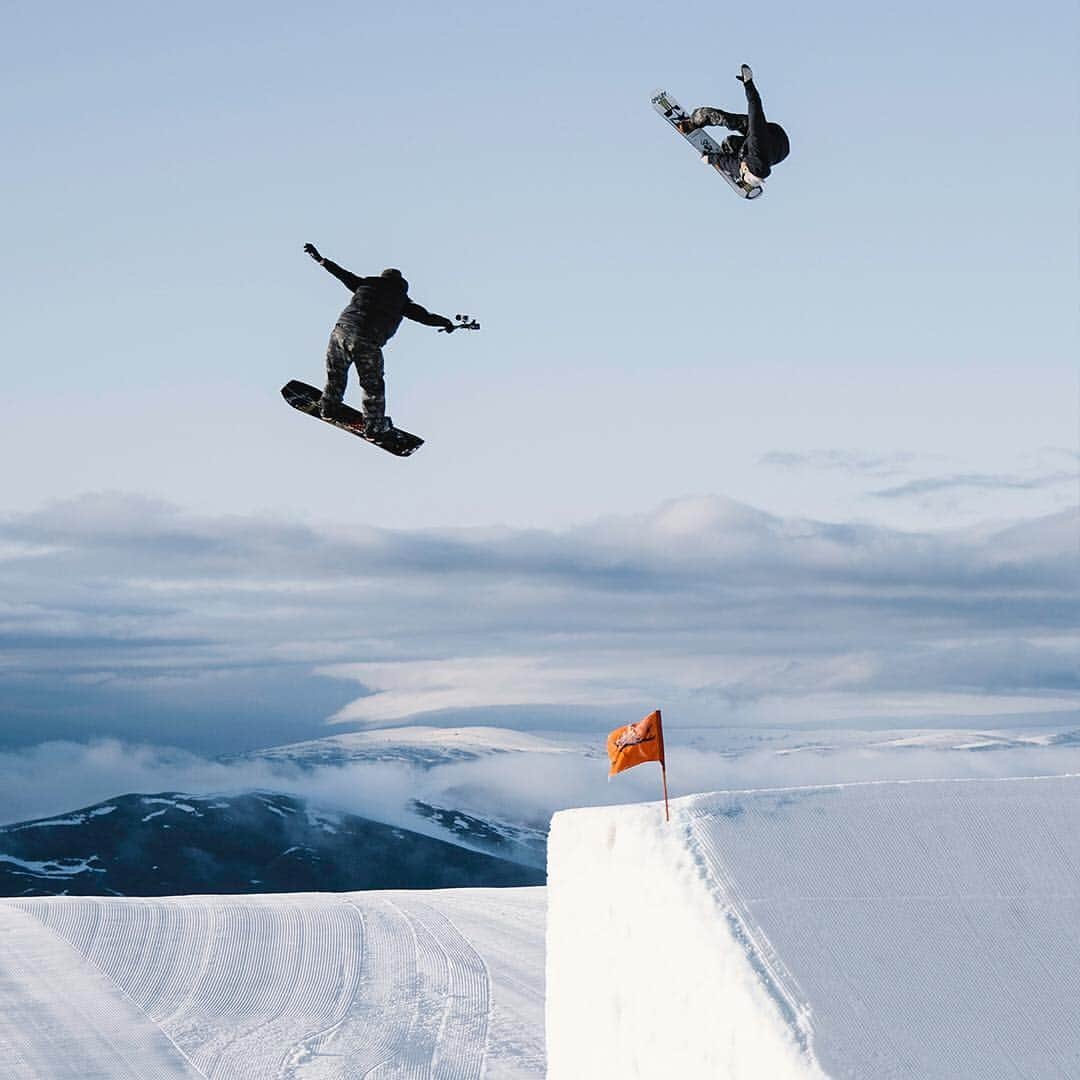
(133, 619)
(812, 459)
(889, 335)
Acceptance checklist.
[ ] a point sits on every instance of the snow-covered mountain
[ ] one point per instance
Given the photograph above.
(418, 745)
(266, 841)
(427, 748)
(169, 843)
(518, 843)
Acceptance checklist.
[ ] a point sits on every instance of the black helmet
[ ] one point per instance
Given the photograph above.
(777, 140)
(393, 274)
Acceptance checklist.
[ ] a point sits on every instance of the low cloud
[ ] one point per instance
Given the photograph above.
(1047, 473)
(51, 778)
(933, 485)
(525, 788)
(848, 461)
(129, 618)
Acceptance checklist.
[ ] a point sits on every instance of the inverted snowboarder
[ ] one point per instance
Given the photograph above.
(758, 145)
(368, 322)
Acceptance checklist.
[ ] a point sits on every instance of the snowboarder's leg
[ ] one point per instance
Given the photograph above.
(739, 122)
(727, 159)
(710, 117)
(368, 359)
(337, 373)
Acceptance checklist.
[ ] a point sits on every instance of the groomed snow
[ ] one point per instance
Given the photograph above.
(62, 1019)
(646, 974)
(892, 929)
(306, 986)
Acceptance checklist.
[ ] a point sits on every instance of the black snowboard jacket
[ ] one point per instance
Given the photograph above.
(378, 305)
(765, 144)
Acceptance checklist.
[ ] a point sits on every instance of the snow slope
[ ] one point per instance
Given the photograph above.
(917, 929)
(646, 974)
(61, 1018)
(304, 986)
(891, 929)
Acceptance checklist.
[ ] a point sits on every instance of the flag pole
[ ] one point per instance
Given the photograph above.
(663, 761)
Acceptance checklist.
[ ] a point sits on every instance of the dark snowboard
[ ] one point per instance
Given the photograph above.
(306, 398)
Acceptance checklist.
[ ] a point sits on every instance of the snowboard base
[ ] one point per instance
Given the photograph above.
(306, 399)
(703, 143)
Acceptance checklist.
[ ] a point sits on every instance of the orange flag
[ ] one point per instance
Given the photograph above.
(631, 745)
(636, 743)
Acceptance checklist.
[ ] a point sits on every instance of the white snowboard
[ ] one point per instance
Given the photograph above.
(673, 112)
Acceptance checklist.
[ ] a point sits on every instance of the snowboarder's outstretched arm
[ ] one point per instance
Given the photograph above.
(755, 123)
(348, 279)
(422, 315)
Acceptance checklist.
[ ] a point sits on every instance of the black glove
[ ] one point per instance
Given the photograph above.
(745, 74)
(449, 329)
(313, 251)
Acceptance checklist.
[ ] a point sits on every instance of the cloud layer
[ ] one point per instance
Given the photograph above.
(127, 617)
(526, 787)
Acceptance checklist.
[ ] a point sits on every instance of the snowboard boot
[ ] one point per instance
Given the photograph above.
(373, 428)
(745, 74)
(331, 410)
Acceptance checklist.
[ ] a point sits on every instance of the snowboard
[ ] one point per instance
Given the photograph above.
(306, 399)
(673, 112)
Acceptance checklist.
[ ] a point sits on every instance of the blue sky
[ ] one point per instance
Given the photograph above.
(905, 291)
(880, 355)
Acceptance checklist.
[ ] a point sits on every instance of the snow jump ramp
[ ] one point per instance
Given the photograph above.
(877, 930)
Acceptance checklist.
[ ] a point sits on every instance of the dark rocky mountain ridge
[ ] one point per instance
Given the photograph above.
(175, 844)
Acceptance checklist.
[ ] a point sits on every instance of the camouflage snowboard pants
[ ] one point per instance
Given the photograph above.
(346, 349)
(706, 117)
(738, 122)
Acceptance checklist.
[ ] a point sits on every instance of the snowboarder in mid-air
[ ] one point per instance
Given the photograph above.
(371, 318)
(757, 146)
